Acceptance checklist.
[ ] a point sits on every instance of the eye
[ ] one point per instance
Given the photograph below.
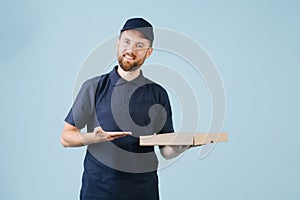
(126, 41)
(139, 46)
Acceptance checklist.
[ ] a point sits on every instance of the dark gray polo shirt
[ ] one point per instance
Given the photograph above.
(140, 106)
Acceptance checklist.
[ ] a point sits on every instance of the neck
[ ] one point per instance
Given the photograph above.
(128, 75)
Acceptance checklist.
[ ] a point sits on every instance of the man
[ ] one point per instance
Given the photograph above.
(117, 108)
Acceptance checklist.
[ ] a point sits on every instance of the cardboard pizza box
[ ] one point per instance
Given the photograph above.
(192, 139)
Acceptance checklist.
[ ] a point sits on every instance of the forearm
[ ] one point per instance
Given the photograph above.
(72, 138)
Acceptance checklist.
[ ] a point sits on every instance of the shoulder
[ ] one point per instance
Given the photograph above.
(94, 81)
(90, 86)
(156, 86)
(158, 92)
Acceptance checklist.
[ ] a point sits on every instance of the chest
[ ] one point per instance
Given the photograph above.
(125, 106)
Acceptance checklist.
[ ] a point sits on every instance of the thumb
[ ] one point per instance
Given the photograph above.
(98, 129)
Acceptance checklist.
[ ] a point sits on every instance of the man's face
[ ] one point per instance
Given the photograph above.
(132, 49)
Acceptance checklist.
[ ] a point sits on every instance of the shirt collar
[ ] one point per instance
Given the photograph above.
(116, 79)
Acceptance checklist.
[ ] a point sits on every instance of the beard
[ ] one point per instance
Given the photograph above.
(130, 65)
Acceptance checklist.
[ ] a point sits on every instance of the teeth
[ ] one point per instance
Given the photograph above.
(129, 57)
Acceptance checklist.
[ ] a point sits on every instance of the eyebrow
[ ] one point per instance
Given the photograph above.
(125, 38)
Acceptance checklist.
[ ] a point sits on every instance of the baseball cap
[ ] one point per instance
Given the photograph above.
(141, 25)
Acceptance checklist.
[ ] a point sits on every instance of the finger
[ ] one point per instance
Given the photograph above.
(115, 135)
(110, 138)
(118, 133)
(98, 130)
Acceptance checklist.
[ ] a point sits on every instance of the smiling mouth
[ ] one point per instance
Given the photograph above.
(129, 57)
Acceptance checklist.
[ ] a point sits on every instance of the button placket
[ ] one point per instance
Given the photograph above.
(128, 93)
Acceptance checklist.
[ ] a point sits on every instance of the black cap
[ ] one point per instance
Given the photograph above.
(141, 25)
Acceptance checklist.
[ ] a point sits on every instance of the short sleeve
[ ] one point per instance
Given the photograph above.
(69, 118)
(165, 102)
(82, 112)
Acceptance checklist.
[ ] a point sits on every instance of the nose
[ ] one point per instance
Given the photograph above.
(130, 48)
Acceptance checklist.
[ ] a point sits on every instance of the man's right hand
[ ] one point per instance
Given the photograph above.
(71, 136)
(101, 135)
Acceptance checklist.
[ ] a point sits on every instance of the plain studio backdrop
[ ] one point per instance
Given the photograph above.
(254, 45)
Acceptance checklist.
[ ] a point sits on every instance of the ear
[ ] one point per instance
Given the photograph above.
(149, 52)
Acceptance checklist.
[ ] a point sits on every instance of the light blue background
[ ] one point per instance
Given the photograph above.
(255, 45)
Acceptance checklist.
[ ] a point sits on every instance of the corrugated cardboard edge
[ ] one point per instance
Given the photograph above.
(207, 138)
(192, 139)
(167, 139)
